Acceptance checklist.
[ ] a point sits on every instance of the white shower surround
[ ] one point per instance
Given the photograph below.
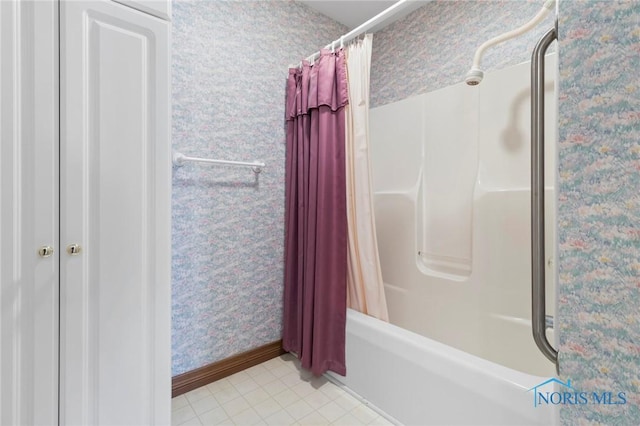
(460, 349)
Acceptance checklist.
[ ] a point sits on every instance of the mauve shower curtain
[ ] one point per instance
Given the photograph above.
(314, 316)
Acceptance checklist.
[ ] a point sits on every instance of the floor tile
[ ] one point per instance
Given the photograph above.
(380, 421)
(192, 422)
(316, 399)
(246, 386)
(179, 402)
(256, 370)
(286, 398)
(332, 392)
(275, 387)
(272, 363)
(299, 409)
(256, 396)
(363, 413)
(226, 395)
(264, 378)
(247, 417)
(347, 401)
(348, 420)
(219, 385)
(305, 374)
(281, 370)
(291, 379)
(288, 357)
(318, 382)
(237, 378)
(312, 419)
(280, 418)
(296, 364)
(303, 388)
(332, 411)
(267, 407)
(205, 404)
(197, 394)
(181, 415)
(216, 416)
(276, 392)
(235, 406)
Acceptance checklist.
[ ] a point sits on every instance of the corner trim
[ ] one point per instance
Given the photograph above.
(194, 379)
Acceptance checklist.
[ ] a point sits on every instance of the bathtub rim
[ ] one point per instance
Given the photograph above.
(439, 349)
(502, 386)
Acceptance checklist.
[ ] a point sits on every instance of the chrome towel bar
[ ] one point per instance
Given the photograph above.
(538, 312)
(179, 159)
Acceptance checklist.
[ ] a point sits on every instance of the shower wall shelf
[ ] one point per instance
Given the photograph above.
(179, 159)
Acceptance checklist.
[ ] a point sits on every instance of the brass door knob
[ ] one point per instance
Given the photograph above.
(45, 251)
(73, 249)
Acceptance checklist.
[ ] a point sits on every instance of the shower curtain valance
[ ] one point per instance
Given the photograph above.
(324, 83)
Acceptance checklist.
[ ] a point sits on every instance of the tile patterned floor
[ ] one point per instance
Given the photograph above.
(276, 392)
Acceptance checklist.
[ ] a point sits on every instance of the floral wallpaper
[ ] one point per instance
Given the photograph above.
(230, 62)
(599, 207)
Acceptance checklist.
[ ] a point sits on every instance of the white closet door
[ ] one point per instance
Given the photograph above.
(28, 213)
(115, 206)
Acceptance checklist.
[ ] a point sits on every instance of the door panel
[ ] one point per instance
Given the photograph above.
(28, 212)
(159, 8)
(115, 204)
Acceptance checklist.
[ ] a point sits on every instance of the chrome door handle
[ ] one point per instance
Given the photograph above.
(73, 249)
(45, 251)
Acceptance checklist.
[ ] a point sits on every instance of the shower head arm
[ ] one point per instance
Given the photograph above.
(475, 74)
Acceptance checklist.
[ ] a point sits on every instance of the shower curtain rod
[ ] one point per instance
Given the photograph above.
(361, 29)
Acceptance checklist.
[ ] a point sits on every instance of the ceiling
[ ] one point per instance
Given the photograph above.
(352, 13)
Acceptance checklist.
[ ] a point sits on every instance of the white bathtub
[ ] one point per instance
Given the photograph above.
(419, 381)
(450, 173)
